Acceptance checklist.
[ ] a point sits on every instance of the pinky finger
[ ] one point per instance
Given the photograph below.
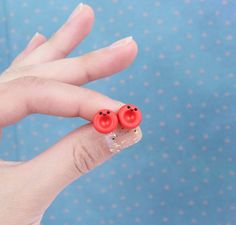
(37, 40)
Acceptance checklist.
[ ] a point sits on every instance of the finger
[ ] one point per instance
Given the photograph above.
(37, 40)
(65, 39)
(81, 70)
(29, 95)
(76, 154)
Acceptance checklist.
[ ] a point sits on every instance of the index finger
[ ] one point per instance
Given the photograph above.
(30, 95)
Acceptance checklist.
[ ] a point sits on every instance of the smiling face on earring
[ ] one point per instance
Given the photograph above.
(105, 121)
(129, 116)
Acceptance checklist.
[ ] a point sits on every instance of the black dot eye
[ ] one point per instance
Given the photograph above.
(100, 113)
(113, 138)
(128, 107)
(135, 109)
(108, 112)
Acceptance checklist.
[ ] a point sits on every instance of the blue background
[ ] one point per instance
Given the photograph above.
(183, 172)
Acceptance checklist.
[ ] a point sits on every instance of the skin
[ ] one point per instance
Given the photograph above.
(42, 80)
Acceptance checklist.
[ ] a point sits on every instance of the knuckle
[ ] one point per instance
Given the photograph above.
(30, 84)
(6, 92)
(60, 51)
(90, 66)
(83, 159)
(78, 109)
(88, 77)
(29, 81)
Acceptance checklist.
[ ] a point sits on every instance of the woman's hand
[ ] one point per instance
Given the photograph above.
(41, 80)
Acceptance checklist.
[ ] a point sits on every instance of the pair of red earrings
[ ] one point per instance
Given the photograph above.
(106, 121)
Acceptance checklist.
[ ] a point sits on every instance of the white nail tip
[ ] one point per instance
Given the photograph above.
(122, 42)
(80, 6)
(36, 34)
(33, 38)
(76, 11)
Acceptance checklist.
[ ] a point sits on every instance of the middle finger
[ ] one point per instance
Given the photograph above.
(80, 70)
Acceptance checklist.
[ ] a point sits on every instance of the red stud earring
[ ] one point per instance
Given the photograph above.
(105, 121)
(129, 116)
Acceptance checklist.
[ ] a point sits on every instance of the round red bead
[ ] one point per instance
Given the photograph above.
(129, 116)
(105, 121)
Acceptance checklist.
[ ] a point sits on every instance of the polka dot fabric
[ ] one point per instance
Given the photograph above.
(184, 80)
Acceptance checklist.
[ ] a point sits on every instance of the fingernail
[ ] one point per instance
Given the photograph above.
(33, 38)
(123, 138)
(76, 12)
(122, 42)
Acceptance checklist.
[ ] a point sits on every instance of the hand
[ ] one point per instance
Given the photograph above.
(41, 80)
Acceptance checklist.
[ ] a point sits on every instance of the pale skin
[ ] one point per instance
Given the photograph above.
(42, 80)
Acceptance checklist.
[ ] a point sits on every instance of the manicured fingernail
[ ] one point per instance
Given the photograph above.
(122, 42)
(123, 138)
(76, 12)
(33, 38)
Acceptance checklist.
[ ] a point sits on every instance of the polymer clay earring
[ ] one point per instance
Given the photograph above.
(105, 121)
(129, 116)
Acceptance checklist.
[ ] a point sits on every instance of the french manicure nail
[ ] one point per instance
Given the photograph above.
(122, 42)
(123, 138)
(33, 38)
(76, 12)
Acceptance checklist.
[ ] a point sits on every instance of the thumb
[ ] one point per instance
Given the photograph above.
(73, 156)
